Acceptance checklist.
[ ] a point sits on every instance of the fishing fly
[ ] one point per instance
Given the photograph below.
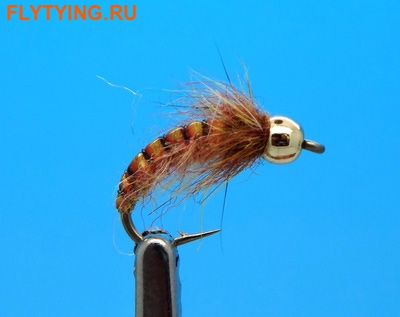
(224, 132)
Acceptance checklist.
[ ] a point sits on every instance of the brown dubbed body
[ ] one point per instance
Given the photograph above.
(226, 133)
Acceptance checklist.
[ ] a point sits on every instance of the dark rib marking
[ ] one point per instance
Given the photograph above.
(185, 135)
(164, 143)
(129, 171)
(146, 155)
(205, 127)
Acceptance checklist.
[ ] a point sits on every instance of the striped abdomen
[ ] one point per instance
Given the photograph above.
(155, 161)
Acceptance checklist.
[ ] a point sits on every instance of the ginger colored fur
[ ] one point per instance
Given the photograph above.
(225, 133)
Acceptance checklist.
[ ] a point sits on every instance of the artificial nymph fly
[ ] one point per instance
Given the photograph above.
(224, 133)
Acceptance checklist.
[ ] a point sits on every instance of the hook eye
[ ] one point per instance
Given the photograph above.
(313, 146)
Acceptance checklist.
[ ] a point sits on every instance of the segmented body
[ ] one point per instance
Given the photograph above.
(226, 133)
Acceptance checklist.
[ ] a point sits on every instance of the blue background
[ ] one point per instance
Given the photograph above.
(319, 237)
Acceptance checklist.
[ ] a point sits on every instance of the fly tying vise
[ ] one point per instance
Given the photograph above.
(225, 133)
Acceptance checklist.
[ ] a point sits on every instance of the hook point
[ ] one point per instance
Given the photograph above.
(186, 238)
